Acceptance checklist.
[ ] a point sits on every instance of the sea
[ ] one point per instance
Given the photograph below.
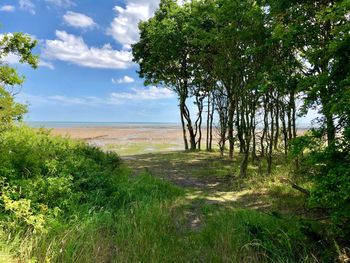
(60, 124)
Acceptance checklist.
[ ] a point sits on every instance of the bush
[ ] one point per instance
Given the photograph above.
(49, 183)
(329, 169)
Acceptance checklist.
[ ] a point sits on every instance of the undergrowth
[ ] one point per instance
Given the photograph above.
(64, 201)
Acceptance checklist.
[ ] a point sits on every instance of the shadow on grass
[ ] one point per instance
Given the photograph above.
(187, 169)
(214, 179)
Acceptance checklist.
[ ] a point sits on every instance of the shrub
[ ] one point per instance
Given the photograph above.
(51, 185)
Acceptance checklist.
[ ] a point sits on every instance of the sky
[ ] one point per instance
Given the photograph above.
(86, 71)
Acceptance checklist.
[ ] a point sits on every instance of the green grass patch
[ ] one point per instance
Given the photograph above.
(64, 201)
(135, 148)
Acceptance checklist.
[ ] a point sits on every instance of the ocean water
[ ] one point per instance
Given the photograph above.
(54, 124)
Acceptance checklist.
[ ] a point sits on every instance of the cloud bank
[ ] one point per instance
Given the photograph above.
(115, 98)
(73, 49)
(124, 27)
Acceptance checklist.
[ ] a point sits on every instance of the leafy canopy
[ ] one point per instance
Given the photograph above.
(20, 45)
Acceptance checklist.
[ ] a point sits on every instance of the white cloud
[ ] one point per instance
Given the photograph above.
(27, 5)
(67, 100)
(14, 60)
(11, 59)
(116, 98)
(40, 100)
(61, 3)
(7, 8)
(49, 65)
(78, 20)
(151, 93)
(73, 49)
(124, 27)
(123, 80)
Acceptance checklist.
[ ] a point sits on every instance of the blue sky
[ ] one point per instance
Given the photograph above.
(86, 72)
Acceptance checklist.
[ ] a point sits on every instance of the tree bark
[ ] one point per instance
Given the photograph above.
(231, 112)
(183, 126)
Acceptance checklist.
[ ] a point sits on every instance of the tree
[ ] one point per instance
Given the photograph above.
(313, 29)
(319, 33)
(20, 45)
(164, 56)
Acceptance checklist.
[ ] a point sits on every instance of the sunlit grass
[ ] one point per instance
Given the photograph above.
(212, 215)
(135, 148)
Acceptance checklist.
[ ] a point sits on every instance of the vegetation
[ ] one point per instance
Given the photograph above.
(62, 200)
(21, 45)
(275, 197)
(55, 192)
(252, 61)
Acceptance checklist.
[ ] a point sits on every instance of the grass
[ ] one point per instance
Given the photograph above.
(167, 207)
(208, 176)
(224, 218)
(132, 148)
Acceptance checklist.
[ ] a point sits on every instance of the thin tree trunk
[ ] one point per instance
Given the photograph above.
(254, 156)
(277, 124)
(294, 113)
(271, 140)
(208, 122)
(231, 112)
(265, 130)
(191, 132)
(183, 127)
(211, 125)
(284, 131)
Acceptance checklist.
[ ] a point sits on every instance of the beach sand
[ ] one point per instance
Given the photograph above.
(128, 140)
(133, 140)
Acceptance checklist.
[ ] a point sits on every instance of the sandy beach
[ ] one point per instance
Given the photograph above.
(128, 140)
(132, 140)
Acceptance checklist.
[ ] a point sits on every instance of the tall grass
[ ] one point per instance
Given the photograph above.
(63, 201)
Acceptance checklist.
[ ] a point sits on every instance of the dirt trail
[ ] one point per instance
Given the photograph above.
(195, 171)
(211, 180)
(207, 177)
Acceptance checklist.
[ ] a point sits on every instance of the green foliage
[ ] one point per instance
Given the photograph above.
(42, 175)
(266, 55)
(9, 109)
(254, 237)
(63, 201)
(332, 191)
(49, 182)
(21, 45)
(332, 187)
(329, 169)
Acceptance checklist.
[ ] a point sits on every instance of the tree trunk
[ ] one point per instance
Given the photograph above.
(244, 165)
(284, 131)
(277, 123)
(294, 113)
(330, 128)
(183, 126)
(271, 140)
(231, 112)
(265, 130)
(211, 125)
(208, 122)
